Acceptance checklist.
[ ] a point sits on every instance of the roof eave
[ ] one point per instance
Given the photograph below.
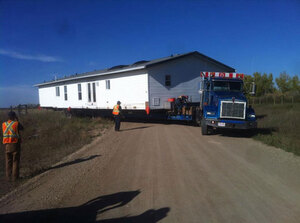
(171, 58)
(94, 75)
(188, 54)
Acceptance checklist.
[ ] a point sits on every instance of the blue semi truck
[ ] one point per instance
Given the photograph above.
(223, 104)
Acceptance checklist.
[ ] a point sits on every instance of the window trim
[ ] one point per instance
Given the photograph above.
(156, 101)
(79, 92)
(66, 92)
(94, 91)
(89, 92)
(107, 84)
(57, 91)
(168, 80)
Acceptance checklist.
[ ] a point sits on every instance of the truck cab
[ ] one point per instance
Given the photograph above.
(223, 103)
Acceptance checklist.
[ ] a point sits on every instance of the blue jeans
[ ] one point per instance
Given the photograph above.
(117, 122)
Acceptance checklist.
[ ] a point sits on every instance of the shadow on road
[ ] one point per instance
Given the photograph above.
(150, 216)
(88, 212)
(143, 127)
(80, 160)
(159, 121)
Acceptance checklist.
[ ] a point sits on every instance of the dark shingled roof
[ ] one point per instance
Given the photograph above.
(135, 66)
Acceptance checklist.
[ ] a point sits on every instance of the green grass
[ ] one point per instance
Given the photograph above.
(49, 136)
(279, 126)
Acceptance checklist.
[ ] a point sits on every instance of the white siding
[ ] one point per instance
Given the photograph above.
(185, 78)
(47, 97)
(131, 88)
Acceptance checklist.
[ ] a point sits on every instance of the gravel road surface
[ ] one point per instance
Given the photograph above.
(163, 173)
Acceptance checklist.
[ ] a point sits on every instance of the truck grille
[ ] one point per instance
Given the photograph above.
(233, 110)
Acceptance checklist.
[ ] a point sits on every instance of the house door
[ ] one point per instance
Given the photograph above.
(92, 99)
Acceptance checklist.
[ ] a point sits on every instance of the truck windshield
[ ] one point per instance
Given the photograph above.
(227, 86)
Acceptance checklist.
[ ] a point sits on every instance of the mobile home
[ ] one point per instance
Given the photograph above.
(138, 85)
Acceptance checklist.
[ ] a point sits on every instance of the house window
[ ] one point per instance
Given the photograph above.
(94, 92)
(89, 92)
(79, 92)
(57, 91)
(156, 101)
(107, 82)
(168, 80)
(66, 93)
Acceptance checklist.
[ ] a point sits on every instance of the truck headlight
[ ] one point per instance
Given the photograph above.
(210, 113)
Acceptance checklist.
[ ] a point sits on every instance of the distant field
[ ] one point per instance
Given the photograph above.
(279, 126)
(49, 136)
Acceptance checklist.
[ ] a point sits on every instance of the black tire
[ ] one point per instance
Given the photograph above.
(204, 128)
(197, 116)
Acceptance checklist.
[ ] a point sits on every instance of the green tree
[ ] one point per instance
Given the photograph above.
(284, 82)
(258, 83)
(264, 83)
(248, 80)
(270, 84)
(295, 84)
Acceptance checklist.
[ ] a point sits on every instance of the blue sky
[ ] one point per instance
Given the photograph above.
(42, 39)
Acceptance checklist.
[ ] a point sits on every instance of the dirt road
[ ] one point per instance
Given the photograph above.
(163, 173)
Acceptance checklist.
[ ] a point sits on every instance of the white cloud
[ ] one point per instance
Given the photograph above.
(21, 56)
(19, 94)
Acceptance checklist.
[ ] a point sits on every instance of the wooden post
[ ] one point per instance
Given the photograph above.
(266, 97)
(19, 110)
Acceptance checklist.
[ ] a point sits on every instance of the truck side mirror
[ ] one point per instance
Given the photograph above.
(253, 89)
(201, 87)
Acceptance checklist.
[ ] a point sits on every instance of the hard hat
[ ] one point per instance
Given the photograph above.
(118, 102)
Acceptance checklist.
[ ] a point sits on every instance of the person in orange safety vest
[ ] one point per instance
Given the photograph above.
(117, 113)
(12, 144)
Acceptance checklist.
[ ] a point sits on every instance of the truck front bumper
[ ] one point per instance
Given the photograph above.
(231, 124)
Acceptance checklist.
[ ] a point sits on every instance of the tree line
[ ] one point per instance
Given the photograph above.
(285, 84)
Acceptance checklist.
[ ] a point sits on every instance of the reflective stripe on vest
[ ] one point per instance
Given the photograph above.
(10, 132)
(116, 110)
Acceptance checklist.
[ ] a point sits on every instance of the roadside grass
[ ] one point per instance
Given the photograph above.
(48, 136)
(279, 126)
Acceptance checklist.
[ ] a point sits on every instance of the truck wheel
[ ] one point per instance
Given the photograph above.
(204, 128)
